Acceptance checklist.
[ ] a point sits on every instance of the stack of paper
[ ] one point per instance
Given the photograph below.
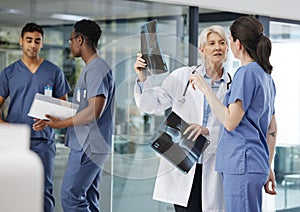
(43, 105)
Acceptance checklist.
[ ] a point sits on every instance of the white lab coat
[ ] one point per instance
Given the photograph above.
(172, 186)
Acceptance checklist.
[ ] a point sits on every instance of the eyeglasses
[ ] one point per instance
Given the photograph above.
(70, 40)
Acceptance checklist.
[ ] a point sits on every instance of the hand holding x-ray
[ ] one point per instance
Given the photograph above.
(150, 49)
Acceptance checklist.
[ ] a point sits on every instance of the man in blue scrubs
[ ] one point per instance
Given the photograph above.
(21, 81)
(90, 131)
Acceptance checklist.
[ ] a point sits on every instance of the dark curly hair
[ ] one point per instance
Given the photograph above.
(88, 29)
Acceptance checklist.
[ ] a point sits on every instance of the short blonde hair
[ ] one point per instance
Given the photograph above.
(214, 28)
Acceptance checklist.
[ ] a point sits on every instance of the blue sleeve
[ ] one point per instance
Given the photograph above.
(98, 81)
(4, 88)
(62, 86)
(242, 88)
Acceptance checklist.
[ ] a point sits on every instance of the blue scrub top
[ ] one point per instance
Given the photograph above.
(18, 83)
(95, 79)
(245, 148)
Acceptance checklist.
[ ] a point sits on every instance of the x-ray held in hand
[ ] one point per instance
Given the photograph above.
(150, 49)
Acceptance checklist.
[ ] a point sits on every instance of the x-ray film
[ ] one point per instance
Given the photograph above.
(171, 144)
(150, 49)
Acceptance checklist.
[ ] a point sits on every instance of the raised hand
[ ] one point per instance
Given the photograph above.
(139, 65)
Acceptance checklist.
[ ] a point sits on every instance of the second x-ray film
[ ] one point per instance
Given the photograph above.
(171, 144)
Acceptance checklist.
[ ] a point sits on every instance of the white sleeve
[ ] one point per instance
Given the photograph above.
(152, 100)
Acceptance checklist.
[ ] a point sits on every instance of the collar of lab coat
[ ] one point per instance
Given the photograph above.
(201, 70)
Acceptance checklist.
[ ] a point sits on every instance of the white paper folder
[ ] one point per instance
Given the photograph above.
(43, 105)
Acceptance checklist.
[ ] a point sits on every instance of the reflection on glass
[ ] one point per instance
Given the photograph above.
(285, 60)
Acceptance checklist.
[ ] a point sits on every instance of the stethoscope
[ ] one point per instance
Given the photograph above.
(182, 99)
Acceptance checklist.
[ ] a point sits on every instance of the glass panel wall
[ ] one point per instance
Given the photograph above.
(134, 163)
(285, 60)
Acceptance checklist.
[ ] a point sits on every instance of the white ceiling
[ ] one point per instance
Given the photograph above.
(284, 9)
(16, 12)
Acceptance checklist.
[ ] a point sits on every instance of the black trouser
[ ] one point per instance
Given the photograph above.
(195, 202)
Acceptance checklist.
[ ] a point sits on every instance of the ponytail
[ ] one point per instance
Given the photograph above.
(249, 31)
(263, 52)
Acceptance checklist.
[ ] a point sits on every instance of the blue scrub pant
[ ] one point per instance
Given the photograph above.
(79, 192)
(243, 192)
(46, 151)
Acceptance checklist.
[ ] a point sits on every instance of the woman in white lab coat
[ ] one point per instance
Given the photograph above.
(200, 189)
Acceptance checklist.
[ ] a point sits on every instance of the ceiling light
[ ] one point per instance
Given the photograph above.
(68, 17)
(11, 11)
